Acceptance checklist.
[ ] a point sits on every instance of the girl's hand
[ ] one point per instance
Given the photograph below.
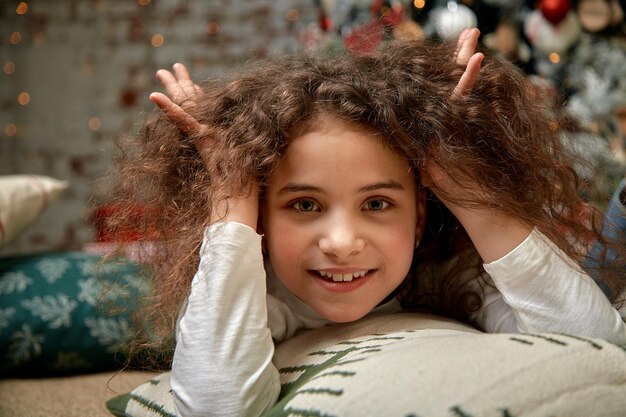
(493, 234)
(182, 95)
(465, 56)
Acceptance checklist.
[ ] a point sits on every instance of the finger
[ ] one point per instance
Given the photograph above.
(183, 120)
(181, 72)
(171, 85)
(459, 43)
(469, 77)
(467, 46)
(184, 80)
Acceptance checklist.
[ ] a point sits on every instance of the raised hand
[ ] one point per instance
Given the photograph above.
(492, 233)
(182, 96)
(465, 56)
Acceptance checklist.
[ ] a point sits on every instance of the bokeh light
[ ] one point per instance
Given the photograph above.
(157, 40)
(293, 15)
(15, 38)
(213, 28)
(554, 58)
(23, 98)
(10, 129)
(21, 8)
(94, 123)
(9, 67)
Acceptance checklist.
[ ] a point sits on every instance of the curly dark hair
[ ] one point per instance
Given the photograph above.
(500, 139)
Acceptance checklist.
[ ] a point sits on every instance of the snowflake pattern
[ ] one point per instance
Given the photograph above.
(89, 290)
(88, 267)
(54, 310)
(94, 267)
(109, 331)
(5, 316)
(52, 268)
(14, 282)
(24, 345)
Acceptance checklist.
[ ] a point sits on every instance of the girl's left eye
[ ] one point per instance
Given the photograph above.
(376, 204)
(306, 205)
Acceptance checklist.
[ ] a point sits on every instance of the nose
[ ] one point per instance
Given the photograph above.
(341, 239)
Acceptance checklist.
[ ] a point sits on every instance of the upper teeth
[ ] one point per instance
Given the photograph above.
(342, 277)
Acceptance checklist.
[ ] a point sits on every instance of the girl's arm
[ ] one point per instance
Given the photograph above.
(223, 357)
(539, 288)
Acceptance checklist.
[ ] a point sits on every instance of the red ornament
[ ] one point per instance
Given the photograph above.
(554, 10)
(365, 38)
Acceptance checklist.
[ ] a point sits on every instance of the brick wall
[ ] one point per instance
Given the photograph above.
(88, 67)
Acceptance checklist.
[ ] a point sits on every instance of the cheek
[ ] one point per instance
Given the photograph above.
(284, 246)
(398, 244)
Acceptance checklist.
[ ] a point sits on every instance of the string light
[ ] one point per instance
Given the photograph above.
(10, 129)
(23, 98)
(213, 28)
(21, 8)
(157, 40)
(419, 4)
(293, 15)
(9, 68)
(94, 123)
(15, 38)
(554, 58)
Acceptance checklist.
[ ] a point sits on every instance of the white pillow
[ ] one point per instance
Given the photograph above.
(410, 364)
(22, 199)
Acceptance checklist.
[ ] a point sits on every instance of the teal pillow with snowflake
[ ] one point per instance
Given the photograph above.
(67, 312)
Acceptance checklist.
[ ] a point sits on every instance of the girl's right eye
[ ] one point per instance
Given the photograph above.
(306, 205)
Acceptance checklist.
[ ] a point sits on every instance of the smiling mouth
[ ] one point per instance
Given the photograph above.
(329, 276)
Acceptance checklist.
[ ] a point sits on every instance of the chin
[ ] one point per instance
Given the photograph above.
(342, 316)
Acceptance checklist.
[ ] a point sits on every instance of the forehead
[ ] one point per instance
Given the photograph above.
(330, 149)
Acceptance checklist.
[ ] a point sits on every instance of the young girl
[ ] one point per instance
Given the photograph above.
(308, 191)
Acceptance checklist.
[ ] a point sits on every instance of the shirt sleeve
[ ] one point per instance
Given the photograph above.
(223, 358)
(539, 289)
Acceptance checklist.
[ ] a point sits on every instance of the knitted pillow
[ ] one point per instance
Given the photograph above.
(22, 199)
(66, 312)
(416, 365)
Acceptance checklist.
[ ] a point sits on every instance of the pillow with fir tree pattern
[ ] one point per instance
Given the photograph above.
(413, 365)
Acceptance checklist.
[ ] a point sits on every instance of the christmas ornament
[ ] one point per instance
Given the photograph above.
(365, 38)
(554, 10)
(449, 21)
(594, 15)
(548, 38)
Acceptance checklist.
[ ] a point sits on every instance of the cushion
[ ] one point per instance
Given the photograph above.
(22, 199)
(410, 364)
(66, 312)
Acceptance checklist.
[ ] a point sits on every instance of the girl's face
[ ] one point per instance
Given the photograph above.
(341, 219)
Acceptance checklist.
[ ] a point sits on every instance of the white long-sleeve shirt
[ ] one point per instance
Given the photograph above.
(234, 315)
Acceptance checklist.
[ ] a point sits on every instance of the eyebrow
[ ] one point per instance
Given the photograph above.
(295, 187)
(382, 186)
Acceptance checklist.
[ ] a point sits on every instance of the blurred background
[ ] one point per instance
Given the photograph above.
(76, 74)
